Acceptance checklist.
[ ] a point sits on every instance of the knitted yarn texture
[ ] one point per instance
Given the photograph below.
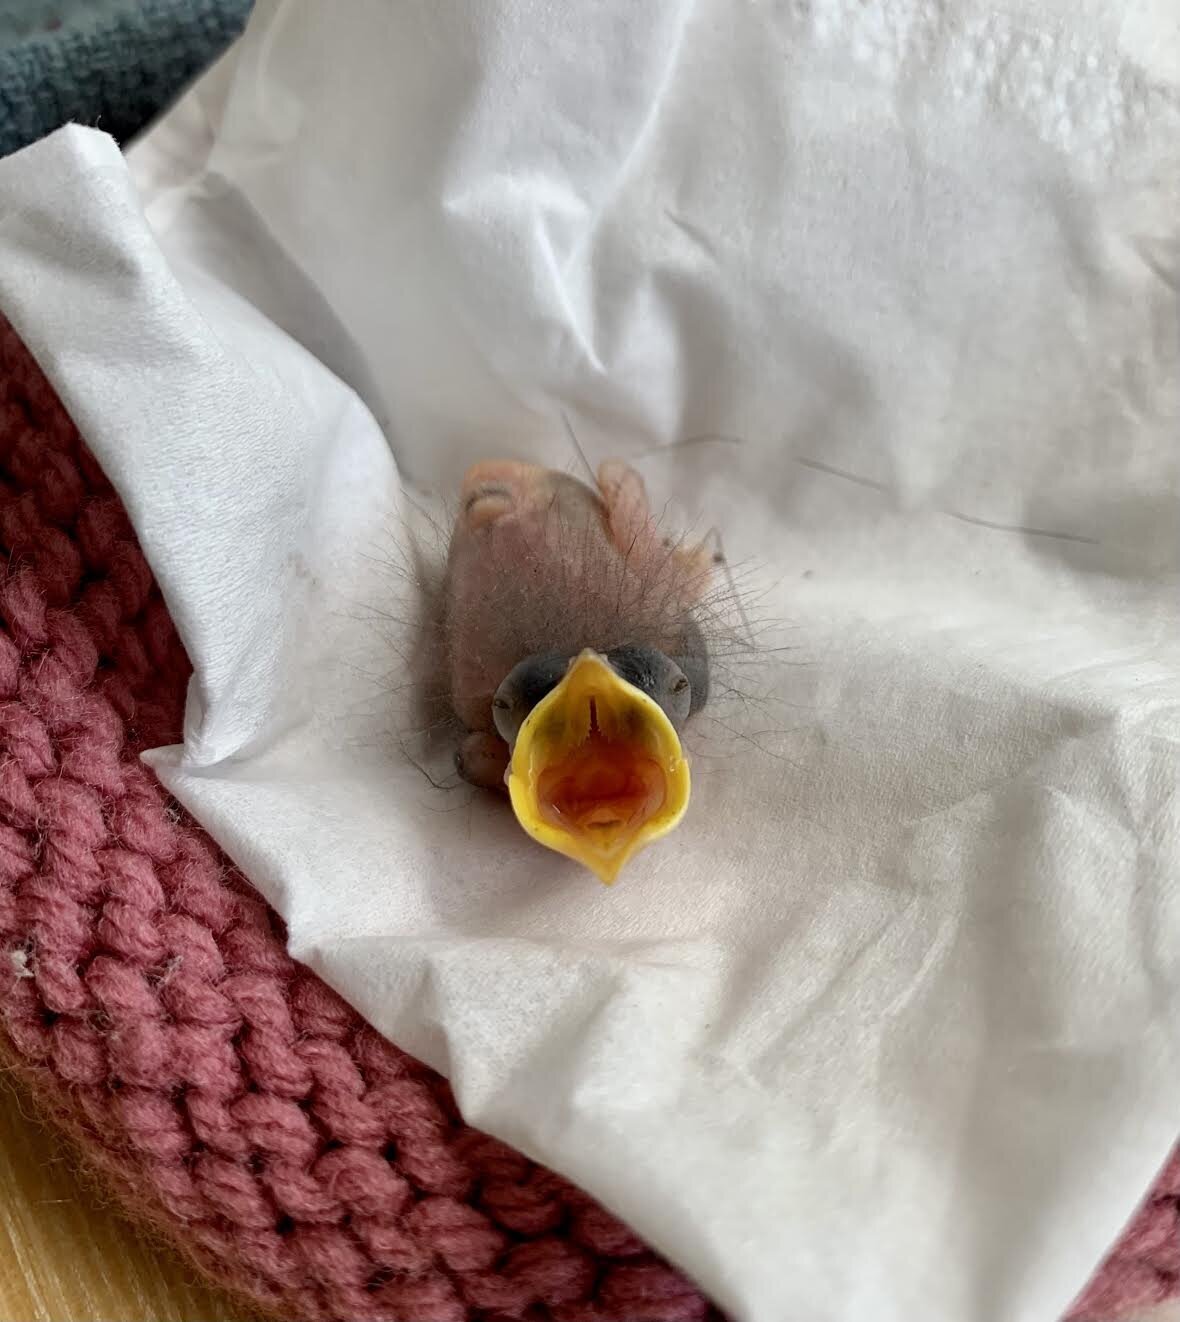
(225, 1095)
(114, 64)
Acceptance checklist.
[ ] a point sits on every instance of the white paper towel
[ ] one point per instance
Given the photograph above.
(887, 1031)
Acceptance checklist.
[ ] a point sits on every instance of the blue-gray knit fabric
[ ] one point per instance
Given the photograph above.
(113, 64)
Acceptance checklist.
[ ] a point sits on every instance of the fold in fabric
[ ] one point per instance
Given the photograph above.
(885, 1032)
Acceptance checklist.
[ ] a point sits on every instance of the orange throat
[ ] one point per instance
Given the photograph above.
(603, 786)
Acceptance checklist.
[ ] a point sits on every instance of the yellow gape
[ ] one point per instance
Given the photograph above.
(597, 772)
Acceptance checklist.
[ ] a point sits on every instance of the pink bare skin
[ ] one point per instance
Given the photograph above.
(540, 562)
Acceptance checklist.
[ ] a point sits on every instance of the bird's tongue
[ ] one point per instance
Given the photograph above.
(602, 786)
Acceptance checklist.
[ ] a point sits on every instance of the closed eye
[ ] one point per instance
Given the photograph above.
(524, 687)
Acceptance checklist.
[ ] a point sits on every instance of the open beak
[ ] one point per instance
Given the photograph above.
(597, 772)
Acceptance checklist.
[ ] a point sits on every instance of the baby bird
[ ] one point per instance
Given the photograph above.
(574, 657)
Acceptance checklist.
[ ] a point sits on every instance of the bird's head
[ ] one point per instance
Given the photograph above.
(597, 769)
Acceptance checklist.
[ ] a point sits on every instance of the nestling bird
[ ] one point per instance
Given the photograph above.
(574, 656)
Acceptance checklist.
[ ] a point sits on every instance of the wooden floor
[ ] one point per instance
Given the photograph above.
(66, 1258)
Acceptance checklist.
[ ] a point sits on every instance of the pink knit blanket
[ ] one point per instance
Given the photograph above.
(225, 1095)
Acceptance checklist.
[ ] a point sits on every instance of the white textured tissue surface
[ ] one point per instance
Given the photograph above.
(887, 1032)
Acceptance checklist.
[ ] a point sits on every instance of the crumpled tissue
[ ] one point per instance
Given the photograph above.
(886, 1032)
